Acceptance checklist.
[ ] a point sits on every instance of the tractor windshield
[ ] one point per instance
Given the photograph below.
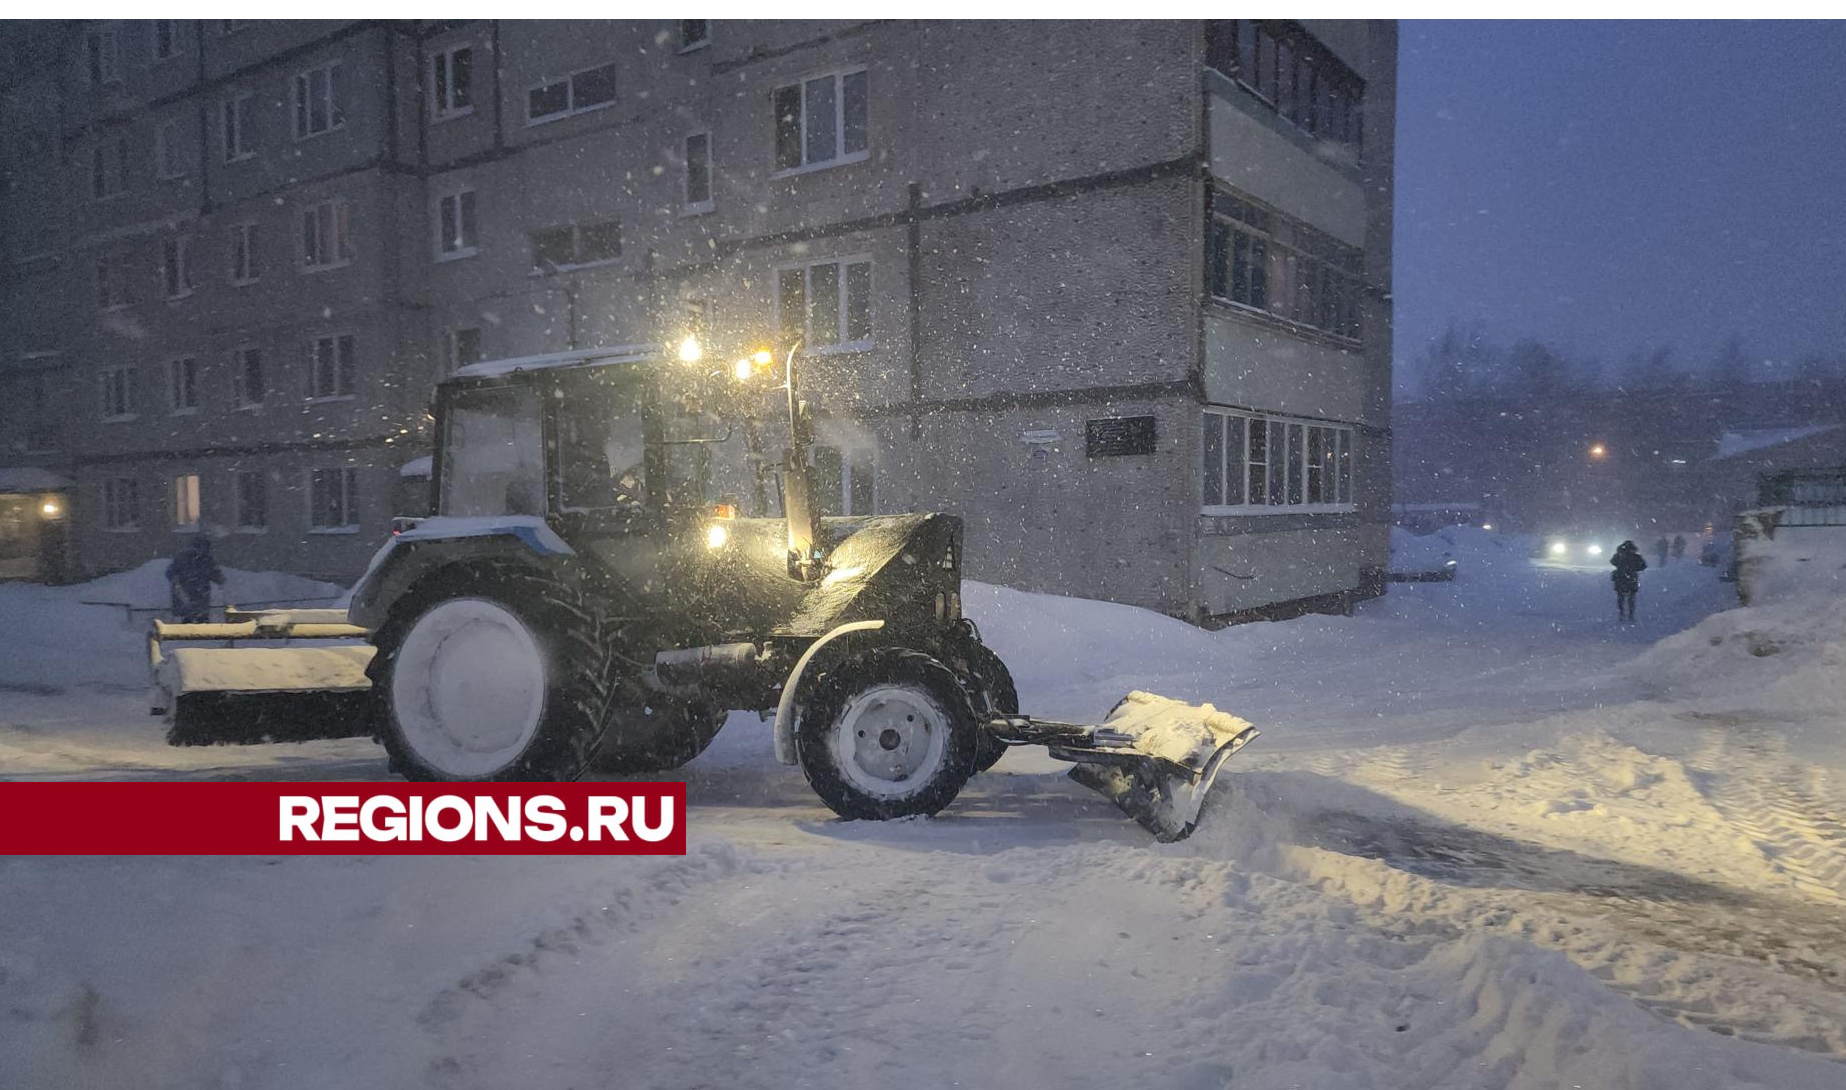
(493, 458)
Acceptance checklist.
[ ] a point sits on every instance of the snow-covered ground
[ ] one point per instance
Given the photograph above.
(1489, 838)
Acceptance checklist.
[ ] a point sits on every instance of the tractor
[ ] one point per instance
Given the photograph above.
(591, 597)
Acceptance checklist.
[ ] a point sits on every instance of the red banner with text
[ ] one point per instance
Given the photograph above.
(203, 818)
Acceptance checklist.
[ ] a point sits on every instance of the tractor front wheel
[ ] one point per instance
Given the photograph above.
(887, 734)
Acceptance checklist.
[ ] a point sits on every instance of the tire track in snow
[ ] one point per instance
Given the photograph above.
(1789, 810)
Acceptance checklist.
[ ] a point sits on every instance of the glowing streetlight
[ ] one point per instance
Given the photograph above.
(690, 350)
(50, 508)
(1597, 450)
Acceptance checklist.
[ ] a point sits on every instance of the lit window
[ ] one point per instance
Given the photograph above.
(186, 502)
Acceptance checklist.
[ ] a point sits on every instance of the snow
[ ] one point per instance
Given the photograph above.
(626, 353)
(417, 467)
(30, 479)
(1489, 837)
(1733, 443)
(264, 669)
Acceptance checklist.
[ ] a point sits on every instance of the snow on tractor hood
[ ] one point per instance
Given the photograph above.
(883, 567)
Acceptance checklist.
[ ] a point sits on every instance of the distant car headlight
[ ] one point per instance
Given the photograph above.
(1559, 548)
(1593, 549)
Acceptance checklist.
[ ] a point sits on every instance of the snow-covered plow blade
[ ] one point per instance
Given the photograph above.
(304, 678)
(1154, 757)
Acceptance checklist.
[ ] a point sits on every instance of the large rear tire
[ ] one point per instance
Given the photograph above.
(887, 734)
(495, 674)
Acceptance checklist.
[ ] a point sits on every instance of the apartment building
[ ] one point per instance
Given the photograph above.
(1116, 293)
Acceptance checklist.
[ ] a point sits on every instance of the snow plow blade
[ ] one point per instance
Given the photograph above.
(1154, 757)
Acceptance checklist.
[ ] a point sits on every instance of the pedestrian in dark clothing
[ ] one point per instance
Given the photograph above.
(1660, 549)
(1629, 564)
(1679, 546)
(191, 575)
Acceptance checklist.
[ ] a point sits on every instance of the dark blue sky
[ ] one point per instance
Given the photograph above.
(1609, 186)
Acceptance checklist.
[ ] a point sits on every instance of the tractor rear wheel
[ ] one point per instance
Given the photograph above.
(887, 734)
(494, 674)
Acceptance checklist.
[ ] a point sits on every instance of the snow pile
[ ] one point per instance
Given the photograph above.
(1785, 658)
(69, 644)
(147, 586)
(1798, 562)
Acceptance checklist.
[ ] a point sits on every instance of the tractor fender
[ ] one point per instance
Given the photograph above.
(438, 542)
(785, 706)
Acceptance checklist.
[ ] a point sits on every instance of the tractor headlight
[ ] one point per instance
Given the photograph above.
(716, 535)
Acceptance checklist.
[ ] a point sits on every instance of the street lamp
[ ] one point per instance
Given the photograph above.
(1598, 451)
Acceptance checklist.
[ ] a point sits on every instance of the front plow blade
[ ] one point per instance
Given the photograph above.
(1156, 759)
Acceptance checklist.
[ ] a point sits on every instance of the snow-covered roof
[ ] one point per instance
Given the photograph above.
(30, 479)
(1733, 443)
(417, 467)
(622, 353)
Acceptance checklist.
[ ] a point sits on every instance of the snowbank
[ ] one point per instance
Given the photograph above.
(70, 644)
(1787, 658)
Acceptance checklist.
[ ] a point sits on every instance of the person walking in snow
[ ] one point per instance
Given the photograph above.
(1660, 549)
(1629, 564)
(1679, 546)
(191, 575)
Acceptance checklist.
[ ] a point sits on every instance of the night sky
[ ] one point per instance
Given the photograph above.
(1611, 186)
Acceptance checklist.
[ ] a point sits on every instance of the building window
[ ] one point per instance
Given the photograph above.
(176, 266)
(333, 499)
(119, 393)
(166, 39)
(252, 383)
(121, 503)
(1293, 74)
(820, 120)
(828, 305)
(183, 385)
(462, 347)
(326, 235)
(246, 264)
(318, 101)
(235, 116)
(843, 481)
(169, 152)
(105, 62)
(108, 168)
(577, 244)
(252, 501)
(452, 82)
(1252, 461)
(585, 90)
(1269, 262)
(186, 503)
(331, 367)
(41, 421)
(698, 172)
(694, 33)
(455, 225)
(112, 281)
